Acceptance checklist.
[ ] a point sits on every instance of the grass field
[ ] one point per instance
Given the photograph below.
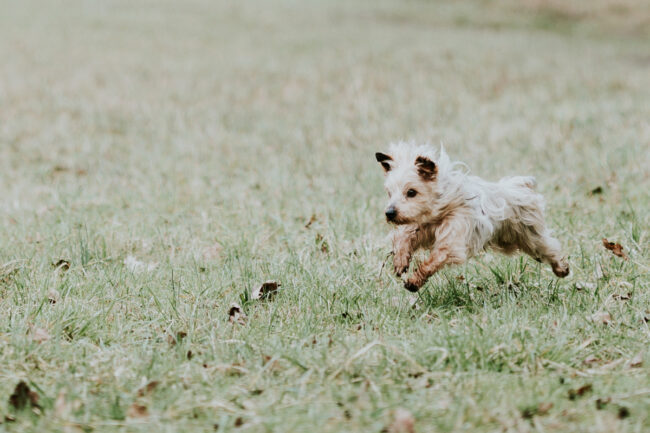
(159, 160)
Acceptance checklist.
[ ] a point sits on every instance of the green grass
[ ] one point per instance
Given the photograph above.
(202, 137)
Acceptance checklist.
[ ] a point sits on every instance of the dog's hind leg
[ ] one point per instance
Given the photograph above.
(545, 248)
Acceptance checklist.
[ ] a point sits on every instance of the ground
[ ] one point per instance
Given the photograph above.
(160, 160)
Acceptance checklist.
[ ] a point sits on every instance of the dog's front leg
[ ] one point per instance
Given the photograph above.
(430, 266)
(450, 248)
(403, 242)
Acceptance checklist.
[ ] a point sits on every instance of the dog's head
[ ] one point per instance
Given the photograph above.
(411, 175)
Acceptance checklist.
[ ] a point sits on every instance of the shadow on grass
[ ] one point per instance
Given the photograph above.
(511, 282)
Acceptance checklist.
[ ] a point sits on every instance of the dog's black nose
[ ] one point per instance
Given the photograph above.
(391, 213)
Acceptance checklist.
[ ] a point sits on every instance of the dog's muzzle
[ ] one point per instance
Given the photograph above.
(391, 214)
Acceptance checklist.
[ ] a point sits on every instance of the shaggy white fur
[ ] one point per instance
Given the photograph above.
(437, 205)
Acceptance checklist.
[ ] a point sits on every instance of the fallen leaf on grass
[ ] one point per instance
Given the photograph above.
(234, 369)
(8, 270)
(53, 296)
(62, 265)
(622, 297)
(539, 410)
(271, 364)
(636, 362)
(265, 290)
(137, 410)
(615, 248)
(602, 317)
(236, 314)
(324, 246)
(579, 392)
(623, 412)
(597, 190)
(148, 388)
(311, 221)
(23, 396)
(591, 359)
(602, 402)
(403, 422)
(173, 339)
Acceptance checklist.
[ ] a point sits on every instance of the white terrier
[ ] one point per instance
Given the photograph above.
(435, 205)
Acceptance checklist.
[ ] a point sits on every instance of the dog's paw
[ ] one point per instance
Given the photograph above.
(561, 268)
(411, 286)
(401, 265)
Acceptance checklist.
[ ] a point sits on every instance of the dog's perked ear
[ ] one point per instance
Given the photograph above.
(427, 169)
(384, 160)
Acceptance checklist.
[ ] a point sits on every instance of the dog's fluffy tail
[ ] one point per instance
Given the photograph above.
(527, 181)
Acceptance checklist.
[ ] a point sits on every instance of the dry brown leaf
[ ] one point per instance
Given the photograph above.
(23, 396)
(622, 297)
(403, 422)
(40, 335)
(602, 317)
(137, 410)
(311, 221)
(61, 264)
(234, 369)
(265, 290)
(623, 412)
(597, 190)
(615, 248)
(539, 410)
(236, 314)
(173, 339)
(271, 364)
(53, 296)
(602, 402)
(148, 388)
(579, 392)
(591, 359)
(636, 362)
(320, 240)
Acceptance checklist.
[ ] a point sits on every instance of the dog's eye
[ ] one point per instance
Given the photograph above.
(411, 193)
